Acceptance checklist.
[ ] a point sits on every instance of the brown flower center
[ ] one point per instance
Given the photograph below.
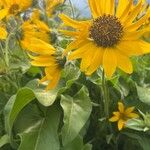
(14, 9)
(106, 31)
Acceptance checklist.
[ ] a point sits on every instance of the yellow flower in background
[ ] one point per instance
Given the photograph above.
(13, 7)
(50, 6)
(45, 56)
(123, 115)
(110, 37)
(35, 28)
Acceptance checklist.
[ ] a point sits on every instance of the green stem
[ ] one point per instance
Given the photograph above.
(72, 9)
(105, 95)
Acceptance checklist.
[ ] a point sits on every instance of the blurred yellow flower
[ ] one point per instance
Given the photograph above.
(35, 28)
(13, 7)
(45, 55)
(110, 38)
(50, 6)
(123, 115)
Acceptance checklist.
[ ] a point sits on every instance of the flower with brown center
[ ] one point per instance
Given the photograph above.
(110, 38)
(13, 7)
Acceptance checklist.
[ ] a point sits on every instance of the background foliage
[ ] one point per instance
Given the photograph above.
(71, 116)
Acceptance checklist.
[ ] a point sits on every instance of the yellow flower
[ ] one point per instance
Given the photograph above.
(50, 6)
(35, 28)
(47, 57)
(13, 7)
(110, 37)
(123, 115)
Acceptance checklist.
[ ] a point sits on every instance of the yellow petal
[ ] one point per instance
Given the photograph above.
(53, 83)
(130, 48)
(132, 115)
(126, 11)
(121, 124)
(129, 110)
(121, 107)
(95, 7)
(145, 46)
(75, 44)
(3, 33)
(3, 13)
(109, 62)
(38, 46)
(96, 61)
(80, 51)
(124, 63)
(138, 23)
(114, 119)
(133, 14)
(109, 7)
(70, 22)
(86, 59)
(121, 7)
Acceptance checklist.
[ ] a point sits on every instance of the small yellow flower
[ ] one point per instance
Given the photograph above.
(123, 115)
(13, 7)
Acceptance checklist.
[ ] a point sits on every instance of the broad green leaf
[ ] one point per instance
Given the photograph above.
(43, 135)
(22, 98)
(77, 110)
(15, 105)
(77, 144)
(69, 75)
(141, 138)
(46, 98)
(144, 94)
(4, 140)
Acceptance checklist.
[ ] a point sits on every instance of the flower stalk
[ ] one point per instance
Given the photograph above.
(106, 98)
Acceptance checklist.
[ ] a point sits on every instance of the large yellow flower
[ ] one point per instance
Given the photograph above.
(110, 37)
(13, 7)
(123, 115)
(45, 56)
(50, 6)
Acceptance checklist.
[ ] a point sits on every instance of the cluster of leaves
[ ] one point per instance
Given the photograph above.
(70, 117)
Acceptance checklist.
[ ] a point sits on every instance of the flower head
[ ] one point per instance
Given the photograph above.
(13, 7)
(45, 55)
(123, 115)
(110, 38)
(34, 27)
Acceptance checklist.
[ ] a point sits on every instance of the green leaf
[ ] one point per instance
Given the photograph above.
(69, 75)
(20, 100)
(15, 105)
(77, 144)
(46, 98)
(144, 94)
(142, 139)
(136, 124)
(43, 135)
(77, 110)
(4, 140)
